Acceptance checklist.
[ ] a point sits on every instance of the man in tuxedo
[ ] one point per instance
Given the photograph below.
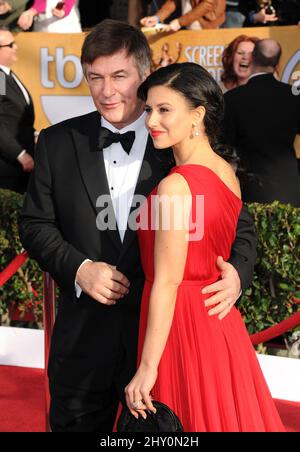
(16, 121)
(75, 223)
(262, 119)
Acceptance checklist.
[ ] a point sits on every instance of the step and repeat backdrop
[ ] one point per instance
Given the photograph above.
(49, 64)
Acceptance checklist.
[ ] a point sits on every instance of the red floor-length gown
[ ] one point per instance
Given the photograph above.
(208, 374)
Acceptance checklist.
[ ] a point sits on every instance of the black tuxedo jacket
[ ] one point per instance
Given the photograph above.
(262, 119)
(16, 133)
(58, 228)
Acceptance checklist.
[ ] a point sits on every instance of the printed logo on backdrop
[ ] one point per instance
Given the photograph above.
(57, 108)
(207, 56)
(290, 75)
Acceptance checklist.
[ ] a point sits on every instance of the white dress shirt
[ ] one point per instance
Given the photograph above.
(122, 172)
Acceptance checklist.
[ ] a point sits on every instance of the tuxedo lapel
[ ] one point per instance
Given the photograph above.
(16, 90)
(93, 173)
(151, 173)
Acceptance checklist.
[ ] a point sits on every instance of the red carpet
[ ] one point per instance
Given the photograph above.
(22, 402)
(22, 407)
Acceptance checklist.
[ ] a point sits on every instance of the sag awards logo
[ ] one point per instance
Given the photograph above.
(289, 74)
(208, 57)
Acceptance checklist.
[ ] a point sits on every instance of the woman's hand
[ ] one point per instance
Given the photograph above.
(137, 392)
(26, 19)
(59, 13)
(149, 21)
(174, 25)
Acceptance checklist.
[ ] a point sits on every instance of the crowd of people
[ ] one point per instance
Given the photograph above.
(73, 15)
(128, 298)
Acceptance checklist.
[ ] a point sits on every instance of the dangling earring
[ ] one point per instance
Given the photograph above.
(195, 133)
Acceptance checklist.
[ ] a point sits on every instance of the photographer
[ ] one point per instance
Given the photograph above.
(261, 13)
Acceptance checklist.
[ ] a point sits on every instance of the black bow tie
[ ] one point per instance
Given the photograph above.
(107, 137)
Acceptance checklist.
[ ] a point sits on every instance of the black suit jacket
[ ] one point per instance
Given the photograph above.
(58, 228)
(262, 119)
(16, 134)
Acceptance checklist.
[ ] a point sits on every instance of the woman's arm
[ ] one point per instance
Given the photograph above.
(40, 6)
(68, 6)
(171, 245)
(166, 10)
(204, 7)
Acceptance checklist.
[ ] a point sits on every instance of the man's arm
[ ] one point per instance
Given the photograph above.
(38, 228)
(41, 237)
(9, 146)
(236, 274)
(245, 6)
(243, 252)
(229, 132)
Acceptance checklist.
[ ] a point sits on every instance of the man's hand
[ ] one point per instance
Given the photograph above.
(263, 17)
(227, 290)
(102, 282)
(4, 8)
(27, 162)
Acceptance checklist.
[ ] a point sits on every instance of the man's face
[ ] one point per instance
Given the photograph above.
(113, 81)
(8, 55)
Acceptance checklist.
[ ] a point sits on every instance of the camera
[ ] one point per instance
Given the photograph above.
(270, 9)
(60, 5)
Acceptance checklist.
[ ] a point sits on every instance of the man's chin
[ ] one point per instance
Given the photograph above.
(111, 116)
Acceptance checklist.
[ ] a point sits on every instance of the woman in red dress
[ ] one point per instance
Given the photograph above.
(202, 366)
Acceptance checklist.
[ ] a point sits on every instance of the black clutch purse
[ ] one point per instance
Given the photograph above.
(164, 420)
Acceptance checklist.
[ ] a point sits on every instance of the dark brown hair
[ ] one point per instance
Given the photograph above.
(111, 36)
(198, 87)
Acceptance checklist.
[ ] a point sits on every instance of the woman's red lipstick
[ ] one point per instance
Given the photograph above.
(156, 133)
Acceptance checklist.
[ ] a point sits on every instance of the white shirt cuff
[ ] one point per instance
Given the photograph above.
(21, 154)
(78, 289)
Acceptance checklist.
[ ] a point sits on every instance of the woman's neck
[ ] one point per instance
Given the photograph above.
(195, 151)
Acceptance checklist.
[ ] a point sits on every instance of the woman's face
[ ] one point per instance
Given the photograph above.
(169, 117)
(242, 59)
